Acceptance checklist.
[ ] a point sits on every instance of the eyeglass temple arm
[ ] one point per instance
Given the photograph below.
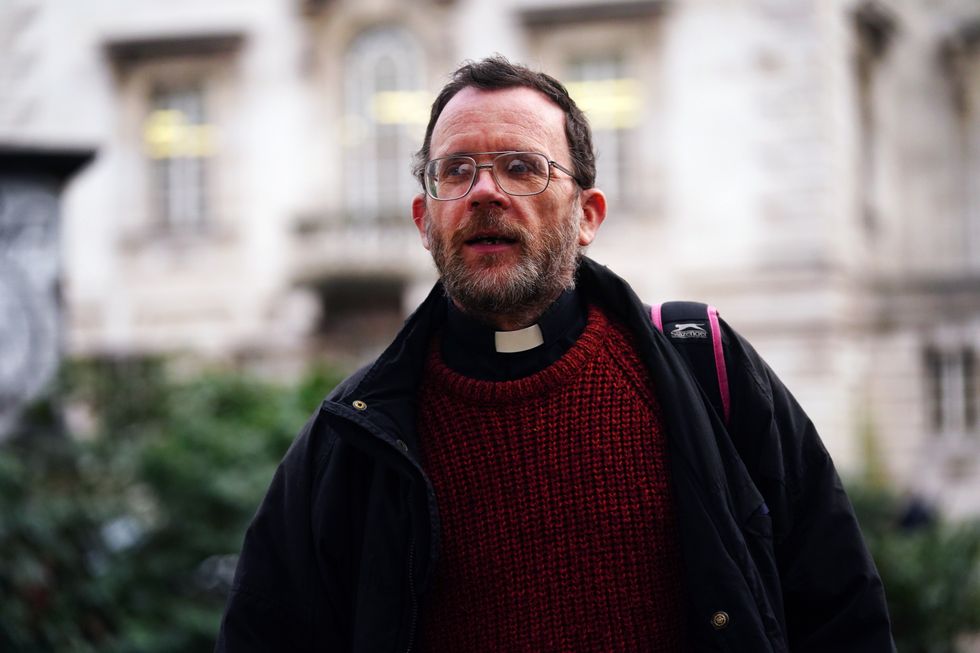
(565, 170)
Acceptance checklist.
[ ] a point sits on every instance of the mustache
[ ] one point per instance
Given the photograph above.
(483, 221)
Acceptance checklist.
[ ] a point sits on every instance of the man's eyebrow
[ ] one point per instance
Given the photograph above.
(481, 153)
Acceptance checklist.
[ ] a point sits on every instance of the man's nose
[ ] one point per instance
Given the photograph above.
(485, 190)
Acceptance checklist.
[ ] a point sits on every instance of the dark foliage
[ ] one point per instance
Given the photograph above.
(930, 569)
(121, 533)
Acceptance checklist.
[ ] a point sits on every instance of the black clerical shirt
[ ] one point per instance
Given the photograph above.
(468, 345)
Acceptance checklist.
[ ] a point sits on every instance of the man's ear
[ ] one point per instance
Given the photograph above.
(418, 217)
(593, 213)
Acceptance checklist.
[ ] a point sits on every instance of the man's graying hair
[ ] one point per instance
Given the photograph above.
(497, 72)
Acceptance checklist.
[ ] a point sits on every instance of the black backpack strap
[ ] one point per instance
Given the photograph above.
(693, 329)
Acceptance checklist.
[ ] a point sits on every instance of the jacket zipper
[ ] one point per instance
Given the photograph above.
(413, 623)
(412, 597)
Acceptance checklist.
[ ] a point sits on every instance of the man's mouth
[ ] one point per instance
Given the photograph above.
(490, 239)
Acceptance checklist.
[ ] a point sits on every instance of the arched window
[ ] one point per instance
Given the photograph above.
(386, 110)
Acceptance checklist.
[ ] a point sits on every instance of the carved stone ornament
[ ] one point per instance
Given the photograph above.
(29, 311)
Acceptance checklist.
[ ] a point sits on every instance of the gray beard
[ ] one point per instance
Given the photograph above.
(519, 293)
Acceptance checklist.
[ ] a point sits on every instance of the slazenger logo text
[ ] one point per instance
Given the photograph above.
(689, 330)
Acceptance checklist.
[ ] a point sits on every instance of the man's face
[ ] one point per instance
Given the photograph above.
(497, 254)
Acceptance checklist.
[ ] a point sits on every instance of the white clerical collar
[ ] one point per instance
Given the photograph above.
(511, 342)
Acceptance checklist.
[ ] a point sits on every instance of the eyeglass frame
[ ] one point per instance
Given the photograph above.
(489, 166)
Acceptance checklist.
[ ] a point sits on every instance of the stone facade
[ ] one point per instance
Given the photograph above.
(809, 167)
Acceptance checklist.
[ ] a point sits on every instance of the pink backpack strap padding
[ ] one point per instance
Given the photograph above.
(721, 369)
(720, 366)
(655, 316)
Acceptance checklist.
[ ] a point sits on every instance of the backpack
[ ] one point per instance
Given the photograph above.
(693, 330)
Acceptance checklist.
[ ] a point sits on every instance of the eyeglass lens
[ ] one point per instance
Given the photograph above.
(517, 173)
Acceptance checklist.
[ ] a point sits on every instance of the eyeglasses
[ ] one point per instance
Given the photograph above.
(516, 173)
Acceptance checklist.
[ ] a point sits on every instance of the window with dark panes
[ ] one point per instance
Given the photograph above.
(953, 391)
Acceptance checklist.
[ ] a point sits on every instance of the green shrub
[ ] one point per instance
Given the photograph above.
(124, 537)
(930, 570)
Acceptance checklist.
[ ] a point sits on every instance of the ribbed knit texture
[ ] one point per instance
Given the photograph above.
(557, 520)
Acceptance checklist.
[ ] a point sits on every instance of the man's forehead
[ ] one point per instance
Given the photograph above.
(514, 110)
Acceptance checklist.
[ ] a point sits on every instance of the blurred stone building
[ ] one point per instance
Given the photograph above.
(808, 166)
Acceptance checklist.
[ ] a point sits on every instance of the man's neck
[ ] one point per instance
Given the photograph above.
(512, 320)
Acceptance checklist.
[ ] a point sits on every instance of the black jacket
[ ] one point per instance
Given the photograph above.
(344, 545)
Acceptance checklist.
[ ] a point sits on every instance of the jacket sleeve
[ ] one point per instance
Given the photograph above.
(278, 601)
(833, 599)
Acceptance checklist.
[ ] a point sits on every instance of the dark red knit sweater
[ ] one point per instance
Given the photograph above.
(557, 519)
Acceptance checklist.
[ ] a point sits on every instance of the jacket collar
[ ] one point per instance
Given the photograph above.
(389, 386)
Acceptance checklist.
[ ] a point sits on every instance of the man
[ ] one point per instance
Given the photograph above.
(530, 465)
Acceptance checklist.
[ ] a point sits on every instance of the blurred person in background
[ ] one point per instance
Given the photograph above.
(530, 465)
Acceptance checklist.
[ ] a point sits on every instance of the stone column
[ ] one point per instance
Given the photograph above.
(31, 181)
